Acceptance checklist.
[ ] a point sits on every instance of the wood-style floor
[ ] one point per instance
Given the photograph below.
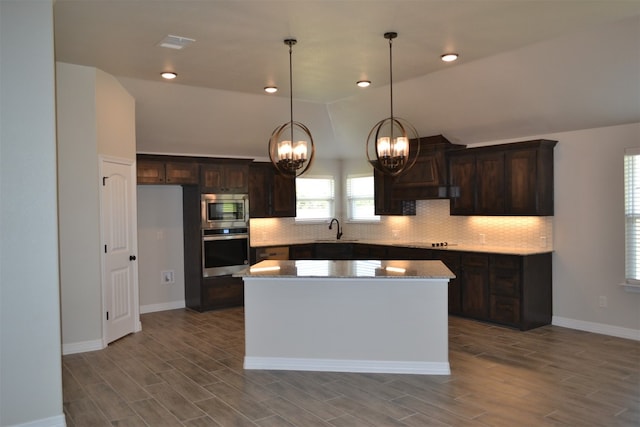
(185, 369)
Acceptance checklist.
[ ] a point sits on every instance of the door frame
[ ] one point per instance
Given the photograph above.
(137, 327)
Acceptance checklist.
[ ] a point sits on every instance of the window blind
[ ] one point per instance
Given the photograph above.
(632, 214)
(315, 199)
(360, 198)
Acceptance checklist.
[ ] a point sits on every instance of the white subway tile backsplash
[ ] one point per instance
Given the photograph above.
(432, 223)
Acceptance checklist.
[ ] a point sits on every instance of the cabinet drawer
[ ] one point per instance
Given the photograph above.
(504, 310)
(475, 260)
(505, 261)
(221, 292)
(505, 282)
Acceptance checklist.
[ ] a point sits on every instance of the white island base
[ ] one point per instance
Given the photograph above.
(391, 323)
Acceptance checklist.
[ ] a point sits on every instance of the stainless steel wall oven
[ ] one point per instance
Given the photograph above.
(225, 233)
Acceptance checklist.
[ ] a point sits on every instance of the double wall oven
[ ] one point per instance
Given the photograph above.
(225, 233)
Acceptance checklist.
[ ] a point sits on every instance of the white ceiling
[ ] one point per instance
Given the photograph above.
(526, 67)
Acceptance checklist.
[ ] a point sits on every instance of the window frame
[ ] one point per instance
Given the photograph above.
(375, 219)
(332, 200)
(632, 215)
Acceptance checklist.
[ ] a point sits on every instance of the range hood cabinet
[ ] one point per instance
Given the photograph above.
(428, 178)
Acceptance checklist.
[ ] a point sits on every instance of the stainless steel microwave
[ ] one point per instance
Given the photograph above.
(224, 210)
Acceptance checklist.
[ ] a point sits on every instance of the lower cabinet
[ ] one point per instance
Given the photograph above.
(211, 293)
(511, 290)
(474, 281)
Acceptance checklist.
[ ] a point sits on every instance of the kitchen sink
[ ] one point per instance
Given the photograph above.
(336, 240)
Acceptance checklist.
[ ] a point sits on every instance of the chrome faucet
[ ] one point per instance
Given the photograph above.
(339, 232)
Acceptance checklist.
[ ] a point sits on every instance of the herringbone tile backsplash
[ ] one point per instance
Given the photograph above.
(432, 223)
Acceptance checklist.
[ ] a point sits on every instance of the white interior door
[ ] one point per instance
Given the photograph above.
(120, 273)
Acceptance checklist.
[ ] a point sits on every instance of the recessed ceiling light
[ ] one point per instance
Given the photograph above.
(175, 42)
(270, 89)
(169, 75)
(449, 57)
(364, 83)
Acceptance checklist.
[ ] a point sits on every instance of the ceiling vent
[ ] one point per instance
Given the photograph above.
(175, 42)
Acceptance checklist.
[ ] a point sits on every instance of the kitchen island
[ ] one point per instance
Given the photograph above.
(347, 316)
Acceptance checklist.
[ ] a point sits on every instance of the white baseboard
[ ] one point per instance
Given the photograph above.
(81, 347)
(56, 421)
(172, 305)
(333, 365)
(598, 328)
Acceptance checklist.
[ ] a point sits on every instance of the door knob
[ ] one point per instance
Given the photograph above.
(132, 258)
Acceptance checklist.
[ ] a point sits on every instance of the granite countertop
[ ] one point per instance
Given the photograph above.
(504, 250)
(349, 269)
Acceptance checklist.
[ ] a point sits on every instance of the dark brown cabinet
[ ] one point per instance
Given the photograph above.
(428, 178)
(166, 170)
(474, 282)
(520, 290)
(271, 195)
(452, 261)
(511, 290)
(489, 184)
(304, 251)
(225, 176)
(462, 171)
(507, 179)
(384, 203)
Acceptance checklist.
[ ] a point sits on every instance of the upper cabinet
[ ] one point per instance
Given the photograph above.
(384, 204)
(507, 179)
(225, 176)
(271, 195)
(166, 170)
(427, 179)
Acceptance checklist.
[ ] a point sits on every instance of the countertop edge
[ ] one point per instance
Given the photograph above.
(418, 245)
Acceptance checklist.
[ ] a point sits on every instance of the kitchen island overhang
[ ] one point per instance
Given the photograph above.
(347, 316)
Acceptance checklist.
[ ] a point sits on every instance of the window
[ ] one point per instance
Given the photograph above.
(360, 199)
(632, 214)
(315, 199)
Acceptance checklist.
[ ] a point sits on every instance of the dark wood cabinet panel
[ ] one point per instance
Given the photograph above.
(384, 203)
(401, 252)
(520, 288)
(452, 261)
(225, 177)
(428, 178)
(489, 184)
(334, 251)
(149, 171)
(166, 170)
(271, 195)
(304, 251)
(511, 290)
(506, 179)
(529, 183)
(475, 285)
(462, 179)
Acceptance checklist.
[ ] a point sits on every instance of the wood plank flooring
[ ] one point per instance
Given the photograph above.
(185, 369)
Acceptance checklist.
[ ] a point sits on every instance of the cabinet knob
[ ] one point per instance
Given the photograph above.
(132, 257)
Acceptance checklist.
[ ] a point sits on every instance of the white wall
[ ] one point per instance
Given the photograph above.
(160, 246)
(96, 117)
(30, 366)
(79, 206)
(115, 117)
(589, 231)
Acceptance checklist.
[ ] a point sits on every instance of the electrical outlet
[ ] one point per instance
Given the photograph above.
(167, 277)
(483, 239)
(602, 301)
(543, 241)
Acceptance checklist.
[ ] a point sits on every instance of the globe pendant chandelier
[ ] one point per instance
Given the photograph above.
(389, 144)
(291, 147)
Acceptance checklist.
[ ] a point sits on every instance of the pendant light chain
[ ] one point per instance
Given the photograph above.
(291, 88)
(391, 74)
